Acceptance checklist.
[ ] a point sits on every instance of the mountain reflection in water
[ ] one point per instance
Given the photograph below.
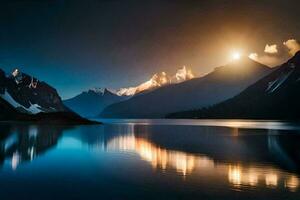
(23, 143)
(190, 164)
(226, 159)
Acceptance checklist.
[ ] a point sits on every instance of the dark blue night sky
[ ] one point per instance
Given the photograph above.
(75, 45)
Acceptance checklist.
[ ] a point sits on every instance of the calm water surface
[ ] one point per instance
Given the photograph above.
(151, 159)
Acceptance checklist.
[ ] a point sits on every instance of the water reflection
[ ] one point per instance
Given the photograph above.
(232, 123)
(232, 159)
(292, 183)
(22, 143)
(156, 156)
(243, 157)
(190, 164)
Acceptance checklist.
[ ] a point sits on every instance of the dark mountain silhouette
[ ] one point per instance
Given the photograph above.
(29, 95)
(92, 102)
(224, 82)
(25, 98)
(275, 96)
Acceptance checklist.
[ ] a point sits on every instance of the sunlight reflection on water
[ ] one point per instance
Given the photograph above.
(233, 123)
(194, 165)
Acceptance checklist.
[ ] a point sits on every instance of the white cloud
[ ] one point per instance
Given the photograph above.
(271, 49)
(292, 45)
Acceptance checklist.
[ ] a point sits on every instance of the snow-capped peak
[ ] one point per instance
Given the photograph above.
(17, 75)
(158, 80)
(27, 94)
(183, 74)
(15, 72)
(101, 91)
(97, 90)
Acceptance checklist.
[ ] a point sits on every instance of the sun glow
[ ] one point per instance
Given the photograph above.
(236, 56)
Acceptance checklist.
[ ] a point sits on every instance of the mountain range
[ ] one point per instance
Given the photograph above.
(91, 103)
(23, 97)
(275, 96)
(241, 89)
(222, 83)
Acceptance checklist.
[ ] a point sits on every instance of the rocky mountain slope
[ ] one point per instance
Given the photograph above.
(25, 98)
(221, 84)
(92, 102)
(275, 96)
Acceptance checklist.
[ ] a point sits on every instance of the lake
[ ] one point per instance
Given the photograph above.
(151, 159)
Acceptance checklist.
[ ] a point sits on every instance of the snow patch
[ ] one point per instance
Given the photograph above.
(101, 91)
(98, 90)
(33, 109)
(278, 82)
(126, 91)
(182, 74)
(6, 96)
(17, 76)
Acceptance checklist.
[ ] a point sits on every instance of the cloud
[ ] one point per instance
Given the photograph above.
(265, 59)
(271, 49)
(292, 45)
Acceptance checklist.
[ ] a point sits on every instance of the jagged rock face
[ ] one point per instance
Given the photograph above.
(27, 92)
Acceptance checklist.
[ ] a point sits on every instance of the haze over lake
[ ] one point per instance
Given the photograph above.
(151, 159)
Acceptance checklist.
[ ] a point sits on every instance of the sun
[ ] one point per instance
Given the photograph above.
(236, 56)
